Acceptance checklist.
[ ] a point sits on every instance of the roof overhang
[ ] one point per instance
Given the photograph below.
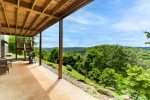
(29, 17)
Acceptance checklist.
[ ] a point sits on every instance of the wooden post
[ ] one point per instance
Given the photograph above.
(24, 48)
(33, 42)
(40, 49)
(16, 45)
(60, 48)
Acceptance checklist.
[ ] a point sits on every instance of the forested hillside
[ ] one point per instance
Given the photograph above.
(81, 50)
(125, 69)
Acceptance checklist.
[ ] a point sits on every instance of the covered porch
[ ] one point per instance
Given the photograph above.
(27, 18)
(33, 82)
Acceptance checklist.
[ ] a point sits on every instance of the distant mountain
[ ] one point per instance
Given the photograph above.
(81, 50)
(145, 48)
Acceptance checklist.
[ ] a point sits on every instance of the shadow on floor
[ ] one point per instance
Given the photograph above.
(53, 86)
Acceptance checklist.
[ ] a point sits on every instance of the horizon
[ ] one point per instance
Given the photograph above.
(96, 45)
(101, 22)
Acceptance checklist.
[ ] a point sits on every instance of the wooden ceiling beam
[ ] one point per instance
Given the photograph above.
(48, 23)
(40, 24)
(5, 15)
(32, 23)
(11, 34)
(18, 3)
(28, 15)
(72, 8)
(46, 6)
(26, 8)
(44, 9)
(54, 11)
(18, 27)
(58, 6)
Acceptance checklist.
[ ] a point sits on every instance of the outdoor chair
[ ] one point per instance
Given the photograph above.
(3, 66)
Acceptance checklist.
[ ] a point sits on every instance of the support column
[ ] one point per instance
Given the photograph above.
(33, 42)
(60, 48)
(40, 49)
(24, 48)
(16, 45)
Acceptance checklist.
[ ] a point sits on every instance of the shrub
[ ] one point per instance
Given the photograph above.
(69, 68)
(110, 78)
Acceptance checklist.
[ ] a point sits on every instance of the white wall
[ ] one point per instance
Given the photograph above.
(4, 37)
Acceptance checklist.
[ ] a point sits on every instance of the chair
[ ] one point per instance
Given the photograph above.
(3, 66)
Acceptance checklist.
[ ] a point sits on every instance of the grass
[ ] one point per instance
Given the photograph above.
(18, 56)
(76, 75)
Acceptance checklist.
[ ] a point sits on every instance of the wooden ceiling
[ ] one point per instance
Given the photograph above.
(29, 17)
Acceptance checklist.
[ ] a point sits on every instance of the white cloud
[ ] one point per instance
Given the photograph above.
(87, 18)
(132, 25)
(136, 18)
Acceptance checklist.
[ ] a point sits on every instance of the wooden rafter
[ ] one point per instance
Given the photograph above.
(6, 33)
(43, 13)
(18, 27)
(40, 24)
(4, 11)
(26, 8)
(18, 3)
(71, 8)
(28, 15)
(46, 6)
(55, 9)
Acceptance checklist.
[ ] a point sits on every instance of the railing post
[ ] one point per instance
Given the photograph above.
(33, 42)
(60, 48)
(40, 49)
(24, 48)
(16, 45)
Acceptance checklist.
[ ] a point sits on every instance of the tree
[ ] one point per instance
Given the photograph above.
(148, 36)
(94, 74)
(110, 78)
(71, 59)
(54, 57)
(11, 44)
(138, 81)
(44, 55)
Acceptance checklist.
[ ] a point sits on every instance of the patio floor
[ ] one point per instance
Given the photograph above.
(32, 82)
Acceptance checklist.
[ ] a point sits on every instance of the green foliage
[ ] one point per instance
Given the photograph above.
(11, 45)
(94, 74)
(71, 59)
(110, 66)
(138, 81)
(44, 55)
(53, 57)
(147, 34)
(107, 56)
(110, 78)
(69, 68)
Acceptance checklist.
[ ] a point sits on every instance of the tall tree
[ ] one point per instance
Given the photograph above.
(138, 81)
(11, 44)
(148, 36)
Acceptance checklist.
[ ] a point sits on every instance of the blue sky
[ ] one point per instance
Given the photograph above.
(104, 22)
